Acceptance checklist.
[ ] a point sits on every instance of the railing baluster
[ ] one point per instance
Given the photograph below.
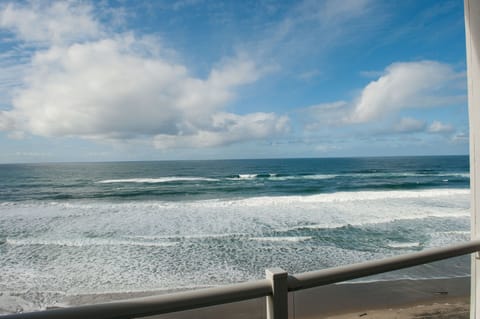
(277, 303)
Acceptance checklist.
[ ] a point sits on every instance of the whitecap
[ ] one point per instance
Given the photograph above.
(282, 238)
(319, 176)
(158, 180)
(403, 245)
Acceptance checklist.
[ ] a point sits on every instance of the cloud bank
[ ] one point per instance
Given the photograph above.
(59, 22)
(406, 85)
(83, 81)
(400, 87)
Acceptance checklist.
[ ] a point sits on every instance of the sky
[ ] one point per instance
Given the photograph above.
(197, 79)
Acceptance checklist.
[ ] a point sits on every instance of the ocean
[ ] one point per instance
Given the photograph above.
(70, 229)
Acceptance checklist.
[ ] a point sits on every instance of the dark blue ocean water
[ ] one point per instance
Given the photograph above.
(192, 180)
(81, 228)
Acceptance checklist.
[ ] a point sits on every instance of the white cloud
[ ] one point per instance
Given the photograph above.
(325, 114)
(459, 138)
(409, 125)
(311, 28)
(13, 65)
(439, 127)
(57, 22)
(105, 89)
(6, 123)
(234, 72)
(227, 129)
(406, 85)
(122, 87)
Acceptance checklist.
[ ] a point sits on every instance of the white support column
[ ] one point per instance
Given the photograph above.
(277, 304)
(472, 32)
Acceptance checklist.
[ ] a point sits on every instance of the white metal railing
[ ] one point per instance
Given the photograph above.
(275, 287)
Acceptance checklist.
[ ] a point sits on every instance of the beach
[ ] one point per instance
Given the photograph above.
(385, 299)
(451, 309)
(402, 299)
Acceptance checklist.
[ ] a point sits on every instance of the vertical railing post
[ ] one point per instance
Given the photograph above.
(277, 303)
(472, 32)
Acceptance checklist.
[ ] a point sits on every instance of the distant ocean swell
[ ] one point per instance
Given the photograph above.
(281, 177)
(179, 188)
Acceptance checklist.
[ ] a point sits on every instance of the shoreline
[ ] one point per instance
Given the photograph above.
(405, 298)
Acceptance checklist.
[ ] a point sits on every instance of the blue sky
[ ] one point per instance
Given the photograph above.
(195, 79)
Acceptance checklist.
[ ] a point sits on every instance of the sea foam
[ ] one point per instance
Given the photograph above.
(158, 180)
(93, 246)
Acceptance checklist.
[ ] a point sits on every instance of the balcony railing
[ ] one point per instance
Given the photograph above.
(275, 288)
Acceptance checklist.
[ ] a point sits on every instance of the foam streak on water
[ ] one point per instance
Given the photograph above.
(158, 180)
(69, 230)
(151, 244)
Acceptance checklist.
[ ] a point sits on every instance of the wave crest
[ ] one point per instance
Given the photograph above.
(158, 180)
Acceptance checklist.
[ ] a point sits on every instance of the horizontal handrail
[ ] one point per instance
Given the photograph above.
(338, 274)
(180, 301)
(148, 306)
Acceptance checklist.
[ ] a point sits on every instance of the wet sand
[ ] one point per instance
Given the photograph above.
(452, 309)
(361, 298)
